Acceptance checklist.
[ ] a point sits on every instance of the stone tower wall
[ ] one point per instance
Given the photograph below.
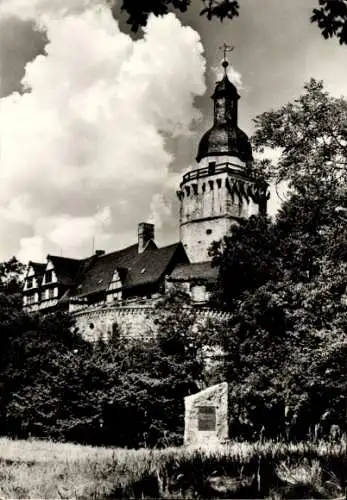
(210, 205)
(198, 237)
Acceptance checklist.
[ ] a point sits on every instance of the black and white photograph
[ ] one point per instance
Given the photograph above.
(173, 249)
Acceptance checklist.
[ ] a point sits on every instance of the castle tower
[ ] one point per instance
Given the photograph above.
(218, 192)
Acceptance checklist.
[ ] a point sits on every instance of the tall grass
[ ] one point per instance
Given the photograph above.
(43, 469)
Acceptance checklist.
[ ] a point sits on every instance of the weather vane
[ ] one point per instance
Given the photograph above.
(226, 48)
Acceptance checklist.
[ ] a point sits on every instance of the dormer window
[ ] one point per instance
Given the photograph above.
(115, 282)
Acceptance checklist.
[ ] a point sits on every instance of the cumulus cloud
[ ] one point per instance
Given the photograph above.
(83, 150)
(160, 210)
(31, 249)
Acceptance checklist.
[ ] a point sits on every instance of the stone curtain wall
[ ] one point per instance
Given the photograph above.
(134, 320)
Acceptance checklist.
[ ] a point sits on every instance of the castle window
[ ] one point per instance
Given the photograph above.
(219, 183)
(30, 282)
(198, 293)
(91, 326)
(30, 300)
(211, 167)
(51, 293)
(48, 277)
(203, 187)
(208, 231)
(115, 331)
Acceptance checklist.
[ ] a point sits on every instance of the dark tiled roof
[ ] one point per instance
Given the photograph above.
(66, 269)
(98, 274)
(194, 272)
(38, 267)
(151, 265)
(135, 269)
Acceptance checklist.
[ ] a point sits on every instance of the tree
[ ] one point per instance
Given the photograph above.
(11, 276)
(11, 282)
(139, 11)
(245, 258)
(33, 365)
(160, 369)
(331, 16)
(126, 392)
(285, 343)
(311, 136)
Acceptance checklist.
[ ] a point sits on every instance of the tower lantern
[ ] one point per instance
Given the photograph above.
(218, 192)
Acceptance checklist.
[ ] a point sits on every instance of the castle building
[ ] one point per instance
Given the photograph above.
(121, 287)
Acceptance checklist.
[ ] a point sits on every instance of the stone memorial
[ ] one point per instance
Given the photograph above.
(206, 416)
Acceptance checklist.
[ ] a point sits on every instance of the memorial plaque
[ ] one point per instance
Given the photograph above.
(207, 418)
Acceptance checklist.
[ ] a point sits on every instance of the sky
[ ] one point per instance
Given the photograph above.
(97, 126)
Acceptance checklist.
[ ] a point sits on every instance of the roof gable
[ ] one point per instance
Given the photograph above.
(65, 269)
(33, 276)
(35, 269)
(98, 275)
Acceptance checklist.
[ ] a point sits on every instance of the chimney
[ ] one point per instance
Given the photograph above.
(98, 253)
(145, 234)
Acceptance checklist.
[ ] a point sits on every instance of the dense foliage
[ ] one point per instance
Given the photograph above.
(127, 392)
(285, 280)
(138, 12)
(330, 16)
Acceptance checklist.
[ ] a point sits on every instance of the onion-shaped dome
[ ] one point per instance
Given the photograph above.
(224, 139)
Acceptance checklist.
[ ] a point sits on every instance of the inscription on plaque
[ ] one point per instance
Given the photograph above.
(207, 418)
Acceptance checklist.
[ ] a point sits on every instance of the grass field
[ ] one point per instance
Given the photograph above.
(43, 469)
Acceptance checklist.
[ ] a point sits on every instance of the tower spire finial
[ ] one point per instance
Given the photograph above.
(226, 48)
